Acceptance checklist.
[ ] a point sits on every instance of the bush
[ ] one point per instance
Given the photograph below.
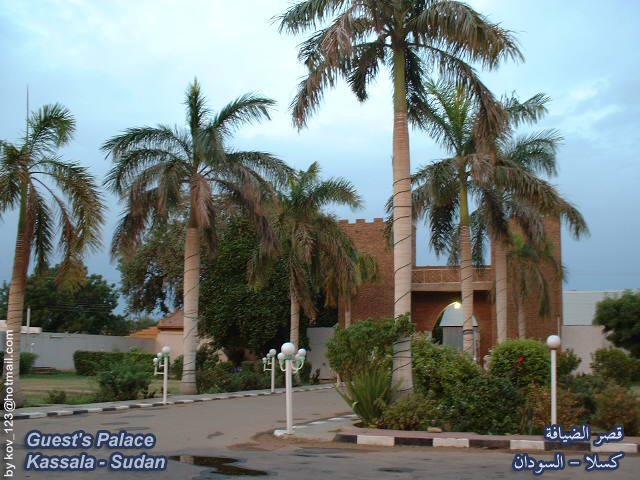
(218, 377)
(352, 350)
(369, 393)
(537, 409)
(27, 359)
(585, 388)
(123, 381)
(176, 367)
(521, 361)
(485, 404)
(92, 363)
(617, 365)
(568, 362)
(413, 412)
(440, 370)
(57, 397)
(618, 405)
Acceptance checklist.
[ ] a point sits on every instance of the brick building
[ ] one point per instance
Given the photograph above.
(434, 288)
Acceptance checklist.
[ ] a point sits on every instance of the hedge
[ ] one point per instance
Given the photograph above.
(92, 363)
(27, 359)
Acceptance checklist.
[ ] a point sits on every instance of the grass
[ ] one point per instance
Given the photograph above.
(79, 389)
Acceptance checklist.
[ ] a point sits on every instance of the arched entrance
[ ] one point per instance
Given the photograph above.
(428, 307)
(448, 327)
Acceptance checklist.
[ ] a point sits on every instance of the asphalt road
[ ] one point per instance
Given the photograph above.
(230, 438)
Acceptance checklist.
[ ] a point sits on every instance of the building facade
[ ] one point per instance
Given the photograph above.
(434, 288)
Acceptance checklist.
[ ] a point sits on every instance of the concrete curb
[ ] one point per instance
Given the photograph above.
(391, 438)
(183, 400)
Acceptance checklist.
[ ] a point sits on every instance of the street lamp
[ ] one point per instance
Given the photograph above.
(270, 359)
(162, 359)
(290, 363)
(553, 342)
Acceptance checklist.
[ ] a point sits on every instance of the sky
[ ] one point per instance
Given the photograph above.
(121, 64)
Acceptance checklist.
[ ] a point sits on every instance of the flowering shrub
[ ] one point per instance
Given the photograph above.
(521, 361)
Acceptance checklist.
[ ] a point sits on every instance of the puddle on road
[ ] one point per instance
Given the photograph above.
(220, 465)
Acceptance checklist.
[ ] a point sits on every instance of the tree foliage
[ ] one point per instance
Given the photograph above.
(621, 320)
(235, 315)
(87, 307)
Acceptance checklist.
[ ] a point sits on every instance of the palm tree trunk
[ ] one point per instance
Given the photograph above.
(294, 332)
(402, 231)
(347, 311)
(191, 295)
(15, 306)
(466, 269)
(501, 290)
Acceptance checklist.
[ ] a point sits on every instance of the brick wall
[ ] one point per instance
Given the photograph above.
(376, 299)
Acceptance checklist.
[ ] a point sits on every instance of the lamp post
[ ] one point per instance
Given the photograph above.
(554, 342)
(163, 356)
(270, 360)
(290, 363)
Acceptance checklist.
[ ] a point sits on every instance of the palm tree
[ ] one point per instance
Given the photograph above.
(344, 283)
(526, 268)
(504, 184)
(163, 172)
(412, 38)
(317, 252)
(36, 180)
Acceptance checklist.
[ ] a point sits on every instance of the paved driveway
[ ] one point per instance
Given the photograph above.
(224, 436)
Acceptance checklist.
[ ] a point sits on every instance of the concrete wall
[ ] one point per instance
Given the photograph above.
(56, 350)
(318, 338)
(584, 340)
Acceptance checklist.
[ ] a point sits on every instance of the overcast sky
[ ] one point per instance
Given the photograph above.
(119, 64)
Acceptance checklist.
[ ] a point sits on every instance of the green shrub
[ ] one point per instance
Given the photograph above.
(438, 370)
(615, 364)
(618, 405)
(353, 349)
(123, 381)
(521, 361)
(585, 388)
(57, 397)
(91, 363)
(369, 393)
(218, 377)
(27, 359)
(176, 367)
(484, 404)
(568, 362)
(413, 412)
(305, 373)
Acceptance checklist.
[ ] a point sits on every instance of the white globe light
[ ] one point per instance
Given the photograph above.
(272, 352)
(155, 360)
(159, 355)
(264, 359)
(302, 352)
(281, 356)
(553, 342)
(288, 348)
(166, 349)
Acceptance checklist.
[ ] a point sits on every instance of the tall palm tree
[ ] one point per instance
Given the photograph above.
(37, 181)
(412, 38)
(317, 252)
(503, 184)
(161, 172)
